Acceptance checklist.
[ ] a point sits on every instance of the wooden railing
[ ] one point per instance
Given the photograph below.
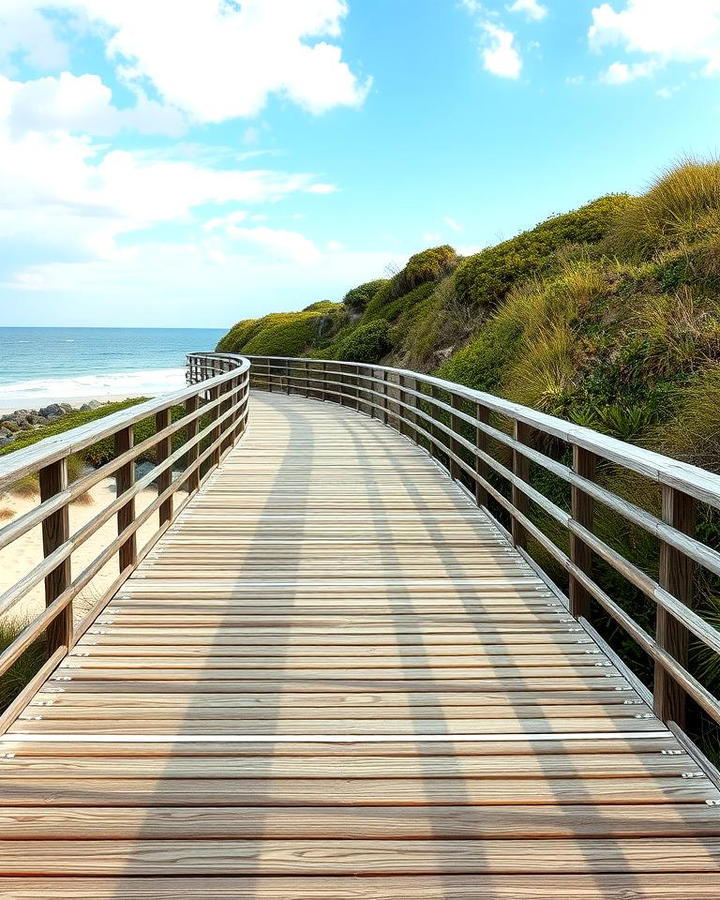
(461, 427)
(193, 428)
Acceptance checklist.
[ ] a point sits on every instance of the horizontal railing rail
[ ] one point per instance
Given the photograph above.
(193, 429)
(457, 425)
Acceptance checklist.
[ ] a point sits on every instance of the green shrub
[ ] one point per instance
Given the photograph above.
(239, 334)
(430, 265)
(291, 334)
(483, 280)
(358, 298)
(682, 206)
(368, 343)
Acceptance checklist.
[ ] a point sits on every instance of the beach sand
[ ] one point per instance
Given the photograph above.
(22, 555)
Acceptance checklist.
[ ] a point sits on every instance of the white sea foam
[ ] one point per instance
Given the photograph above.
(111, 385)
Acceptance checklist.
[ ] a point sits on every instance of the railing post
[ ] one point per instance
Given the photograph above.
(677, 574)
(192, 404)
(401, 425)
(385, 397)
(521, 468)
(124, 480)
(215, 433)
(163, 449)
(482, 414)
(55, 532)
(455, 469)
(583, 509)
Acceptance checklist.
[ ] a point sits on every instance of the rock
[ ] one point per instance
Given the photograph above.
(91, 404)
(41, 420)
(54, 410)
(142, 469)
(6, 437)
(67, 407)
(9, 425)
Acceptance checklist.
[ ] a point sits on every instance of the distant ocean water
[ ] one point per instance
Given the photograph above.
(44, 365)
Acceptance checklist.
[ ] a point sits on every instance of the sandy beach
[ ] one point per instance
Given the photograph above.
(26, 552)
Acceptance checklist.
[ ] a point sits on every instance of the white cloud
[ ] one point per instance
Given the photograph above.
(453, 224)
(216, 59)
(279, 244)
(24, 29)
(666, 30)
(68, 197)
(80, 104)
(501, 56)
(531, 8)
(498, 50)
(622, 73)
(160, 277)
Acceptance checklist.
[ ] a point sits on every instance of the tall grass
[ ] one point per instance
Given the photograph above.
(681, 206)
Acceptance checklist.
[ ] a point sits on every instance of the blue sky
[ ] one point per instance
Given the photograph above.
(197, 162)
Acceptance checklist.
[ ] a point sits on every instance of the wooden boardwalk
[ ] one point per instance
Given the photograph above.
(334, 677)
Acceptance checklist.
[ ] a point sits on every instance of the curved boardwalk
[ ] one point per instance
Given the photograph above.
(333, 677)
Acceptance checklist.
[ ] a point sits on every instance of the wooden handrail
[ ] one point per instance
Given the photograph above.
(217, 391)
(453, 423)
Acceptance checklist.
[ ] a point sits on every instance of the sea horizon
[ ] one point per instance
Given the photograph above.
(63, 364)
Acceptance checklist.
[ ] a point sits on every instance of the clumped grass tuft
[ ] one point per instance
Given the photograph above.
(543, 375)
(21, 672)
(682, 206)
(694, 434)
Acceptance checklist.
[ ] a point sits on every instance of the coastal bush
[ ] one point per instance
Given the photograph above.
(369, 343)
(430, 265)
(483, 280)
(291, 334)
(238, 335)
(358, 298)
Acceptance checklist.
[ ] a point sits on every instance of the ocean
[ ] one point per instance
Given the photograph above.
(72, 365)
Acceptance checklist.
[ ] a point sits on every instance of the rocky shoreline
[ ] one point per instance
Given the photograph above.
(16, 423)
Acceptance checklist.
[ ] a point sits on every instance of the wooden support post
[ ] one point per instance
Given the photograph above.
(521, 468)
(385, 397)
(215, 433)
(583, 509)
(55, 532)
(455, 469)
(124, 480)
(482, 414)
(677, 575)
(163, 449)
(192, 404)
(401, 426)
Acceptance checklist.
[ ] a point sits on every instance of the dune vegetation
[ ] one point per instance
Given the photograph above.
(608, 316)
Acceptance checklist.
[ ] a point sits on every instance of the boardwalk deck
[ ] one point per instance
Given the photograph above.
(334, 677)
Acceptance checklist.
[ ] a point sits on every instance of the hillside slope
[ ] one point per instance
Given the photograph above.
(609, 316)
